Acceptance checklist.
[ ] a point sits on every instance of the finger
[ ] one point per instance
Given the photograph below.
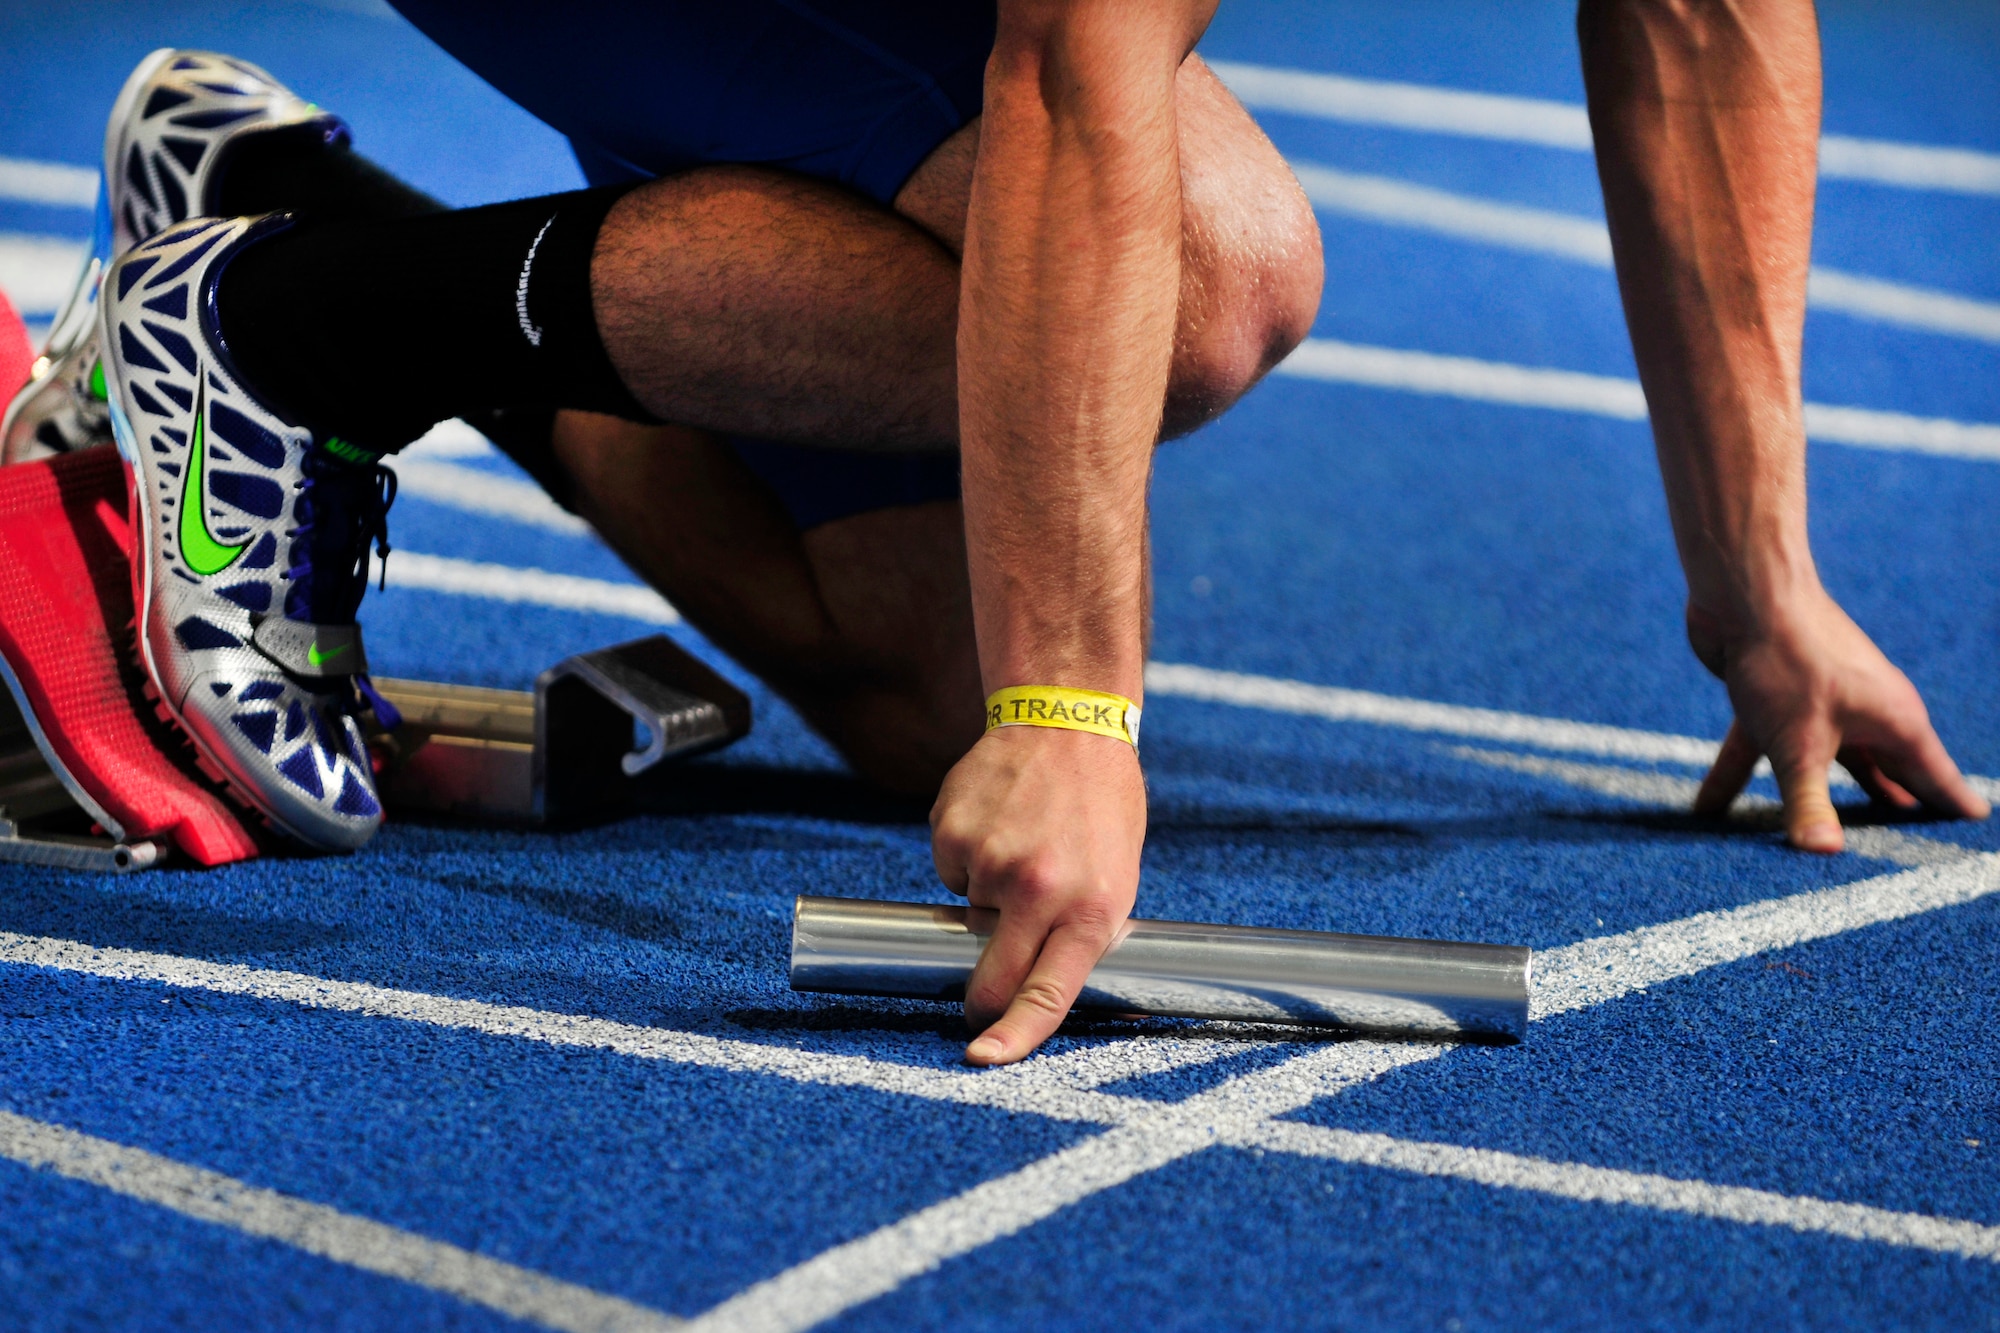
(1004, 963)
(1810, 822)
(1728, 775)
(1044, 999)
(1920, 763)
(1868, 775)
(950, 853)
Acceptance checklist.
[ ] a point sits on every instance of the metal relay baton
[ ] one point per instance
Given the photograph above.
(855, 946)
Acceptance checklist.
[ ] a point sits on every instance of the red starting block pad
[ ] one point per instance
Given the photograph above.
(65, 652)
(17, 355)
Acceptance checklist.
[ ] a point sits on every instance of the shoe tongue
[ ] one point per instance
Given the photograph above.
(337, 515)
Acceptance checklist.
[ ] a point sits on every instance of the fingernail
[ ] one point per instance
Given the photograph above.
(1821, 837)
(984, 1051)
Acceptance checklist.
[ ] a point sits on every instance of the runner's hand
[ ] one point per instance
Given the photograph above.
(1045, 826)
(1812, 688)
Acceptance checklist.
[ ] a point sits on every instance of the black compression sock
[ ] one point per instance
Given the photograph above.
(269, 173)
(375, 330)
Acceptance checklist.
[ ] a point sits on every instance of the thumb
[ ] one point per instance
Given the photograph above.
(1810, 822)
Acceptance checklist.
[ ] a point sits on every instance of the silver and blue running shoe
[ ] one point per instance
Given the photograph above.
(177, 123)
(251, 546)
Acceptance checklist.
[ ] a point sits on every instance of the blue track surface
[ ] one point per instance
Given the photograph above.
(1413, 546)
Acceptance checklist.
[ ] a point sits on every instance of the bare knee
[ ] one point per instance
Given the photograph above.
(1251, 264)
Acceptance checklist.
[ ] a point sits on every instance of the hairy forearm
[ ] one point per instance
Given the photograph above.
(1071, 273)
(1706, 117)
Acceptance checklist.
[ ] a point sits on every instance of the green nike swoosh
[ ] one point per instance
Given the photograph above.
(317, 658)
(200, 551)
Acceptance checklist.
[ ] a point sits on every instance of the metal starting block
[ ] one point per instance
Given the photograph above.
(575, 750)
(578, 748)
(45, 819)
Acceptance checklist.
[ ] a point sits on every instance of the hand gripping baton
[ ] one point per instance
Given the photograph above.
(853, 946)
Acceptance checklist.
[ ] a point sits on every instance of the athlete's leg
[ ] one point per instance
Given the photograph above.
(742, 301)
(863, 623)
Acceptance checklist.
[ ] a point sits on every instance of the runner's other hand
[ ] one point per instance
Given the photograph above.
(1811, 688)
(1044, 826)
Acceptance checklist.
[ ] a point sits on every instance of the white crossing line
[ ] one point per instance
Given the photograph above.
(1597, 1184)
(428, 476)
(210, 1196)
(1552, 124)
(1608, 396)
(27, 181)
(1240, 1111)
(529, 586)
(37, 272)
(877, 1263)
(1593, 971)
(1585, 240)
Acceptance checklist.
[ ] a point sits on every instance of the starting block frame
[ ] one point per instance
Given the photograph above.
(576, 749)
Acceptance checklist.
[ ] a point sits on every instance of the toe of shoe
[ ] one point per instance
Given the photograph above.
(295, 756)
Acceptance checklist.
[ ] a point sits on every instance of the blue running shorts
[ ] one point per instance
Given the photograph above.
(854, 91)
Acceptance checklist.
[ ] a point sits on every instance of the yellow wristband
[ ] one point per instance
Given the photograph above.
(1094, 711)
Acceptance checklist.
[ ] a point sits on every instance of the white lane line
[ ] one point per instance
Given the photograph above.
(1593, 971)
(1464, 377)
(1597, 1184)
(1384, 710)
(428, 477)
(1674, 793)
(37, 272)
(876, 1264)
(1607, 396)
(1552, 124)
(1238, 1111)
(27, 181)
(1585, 240)
(209, 1196)
(1913, 166)
(533, 587)
(962, 1086)
(1407, 106)
(448, 440)
(1895, 303)
(1624, 784)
